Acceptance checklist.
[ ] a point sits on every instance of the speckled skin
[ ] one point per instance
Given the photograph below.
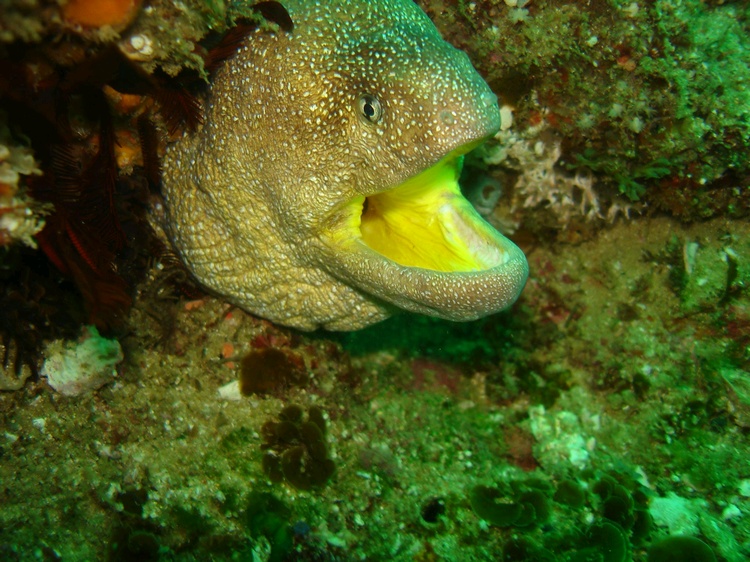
(256, 202)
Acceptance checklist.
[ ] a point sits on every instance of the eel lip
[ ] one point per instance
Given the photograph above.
(422, 246)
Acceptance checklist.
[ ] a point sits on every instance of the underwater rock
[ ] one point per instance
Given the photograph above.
(560, 438)
(75, 368)
(707, 271)
(681, 516)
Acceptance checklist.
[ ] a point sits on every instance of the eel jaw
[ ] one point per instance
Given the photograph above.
(421, 246)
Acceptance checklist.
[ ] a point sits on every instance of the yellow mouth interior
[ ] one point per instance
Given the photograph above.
(427, 223)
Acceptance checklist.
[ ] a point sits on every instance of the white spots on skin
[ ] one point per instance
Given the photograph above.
(283, 144)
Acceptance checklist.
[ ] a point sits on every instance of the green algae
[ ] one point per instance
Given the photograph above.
(608, 543)
(570, 493)
(651, 97)
(680, 549)
(623, 523)
(268, 516)
(190, 465)
(491, 505)
(296, 450)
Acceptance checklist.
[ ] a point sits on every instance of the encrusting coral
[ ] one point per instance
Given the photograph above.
(21, 217)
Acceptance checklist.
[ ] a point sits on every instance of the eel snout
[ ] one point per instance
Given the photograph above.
(419, 244)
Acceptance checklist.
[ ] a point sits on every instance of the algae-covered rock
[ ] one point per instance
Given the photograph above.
(738, 393)
(75, 368)
(679, 515)
(707, 271)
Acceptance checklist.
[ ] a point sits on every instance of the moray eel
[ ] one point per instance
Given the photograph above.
(322, 188)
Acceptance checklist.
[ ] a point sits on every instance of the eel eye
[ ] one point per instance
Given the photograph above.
(370, 108)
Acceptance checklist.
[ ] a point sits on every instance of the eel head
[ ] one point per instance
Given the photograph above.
(323, 190)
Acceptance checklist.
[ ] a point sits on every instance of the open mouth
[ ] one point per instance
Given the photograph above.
(427, 223)
(422, 247)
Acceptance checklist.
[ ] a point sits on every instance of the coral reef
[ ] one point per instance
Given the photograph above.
(646, 97)
(641, 424)
(87, 100)
(21, 217)
(73, 369)
(605, 417)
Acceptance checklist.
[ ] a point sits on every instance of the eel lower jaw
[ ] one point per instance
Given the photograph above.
(423, 247)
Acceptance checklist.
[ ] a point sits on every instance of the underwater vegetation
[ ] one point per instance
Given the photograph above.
(36, 305)
(621, 521)
(81, 130)
(296, 450)
(605, 417)
(271, 370)
(664, 120)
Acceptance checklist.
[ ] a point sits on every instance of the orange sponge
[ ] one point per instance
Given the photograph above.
(98, 13)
